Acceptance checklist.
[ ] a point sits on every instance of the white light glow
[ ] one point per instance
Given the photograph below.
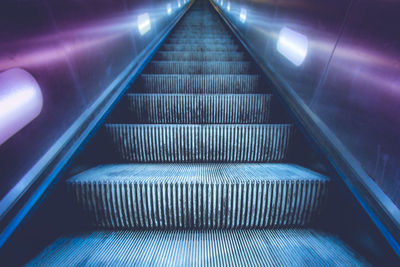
(144, 24)
(292, 45)
(243, 15)
(21, 101)
(179, 3)
(222, 2)
(228, 6)
(169, 9)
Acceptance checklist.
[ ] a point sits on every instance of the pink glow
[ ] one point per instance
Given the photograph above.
(21, 101)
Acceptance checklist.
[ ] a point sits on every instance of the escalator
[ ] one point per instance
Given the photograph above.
(203, 172)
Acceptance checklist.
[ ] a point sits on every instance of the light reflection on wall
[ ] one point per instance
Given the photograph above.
(292, 45)
(144, 23)
(169, 9)
(243, 15)
(21, 101)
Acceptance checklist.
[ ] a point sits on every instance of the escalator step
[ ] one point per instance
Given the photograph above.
(199, 108)
(201, 24)
(200, 41)
(199, 35)
(201, 143)
(272, 247)
(200, 47)
(198, 84)
(202, 27)
(193, 56)
(199, 195)
(199, 67)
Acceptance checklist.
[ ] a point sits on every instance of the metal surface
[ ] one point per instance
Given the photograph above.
(199, 108)
(287, 247)
(200, 84)
(82, 66)
(201, 143)
(200, 195)
(344, 92)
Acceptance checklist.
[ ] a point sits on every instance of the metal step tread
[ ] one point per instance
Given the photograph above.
(200, 47)
(199, 35)
(200, 67)
(200, 142)
(199, 108)
(282, 247)
(200, 56)
(221, 33)
(198, 173)
(197, 83)
(199, 195)
(199, 41)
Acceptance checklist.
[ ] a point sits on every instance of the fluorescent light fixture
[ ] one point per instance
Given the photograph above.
(228, 6)
(144, 24)
(292, 45)
(243, 15)
(179, 3)
(169, 9)
(21, 101)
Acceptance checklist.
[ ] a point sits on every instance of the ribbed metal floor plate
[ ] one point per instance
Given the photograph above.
(199, 195)
(200, 47)
(198, 56)
(198, 35)
(199, 67)
(199, 108)
(251, 248)
(200, 41)
(198, 84)
(201, 143)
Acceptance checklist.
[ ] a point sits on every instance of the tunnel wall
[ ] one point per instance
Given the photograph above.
(78, 52)
(338, 61)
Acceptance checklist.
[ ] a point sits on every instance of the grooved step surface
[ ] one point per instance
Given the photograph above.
(198, 84)
(213, 36)
(286, 247)
(200, 41)
(199, 67)
(200, 47)
(199, 195)
(198, 56)
(201, 26)
(199, 108)
(201, 143)
(198, 35)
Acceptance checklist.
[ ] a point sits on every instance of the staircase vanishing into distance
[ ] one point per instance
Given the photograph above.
(203, 178)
